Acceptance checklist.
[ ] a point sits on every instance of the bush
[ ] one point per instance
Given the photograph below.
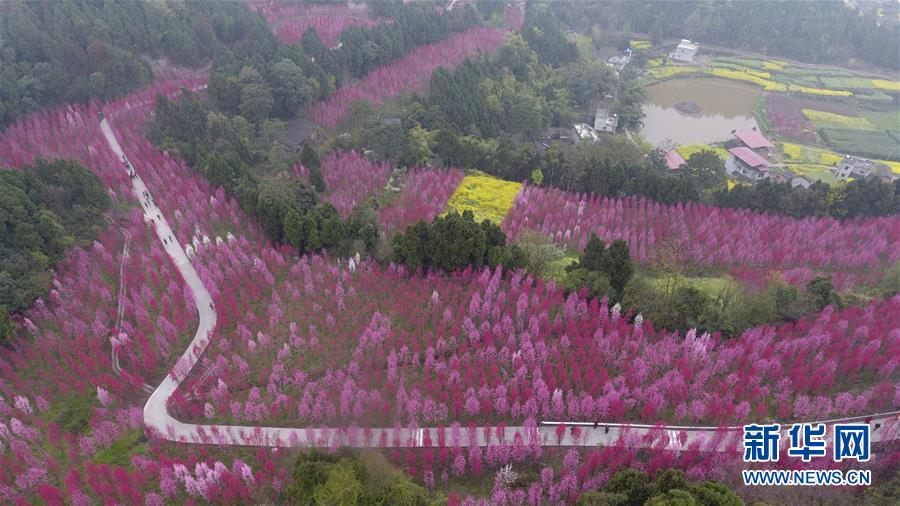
(595, 498)
(630, 487)
(596, 282)
(351, 478)
(539, 252)
(820, 292)
(455, 242)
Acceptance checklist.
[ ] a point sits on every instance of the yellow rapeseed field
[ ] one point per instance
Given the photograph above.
(813, 172)
(640, 44)
(690, 149)
(487, 197)
(756, 77)
(672, 70)
(797, 153)
(884, 84)
(809, 155)
(827, 119)
(796, 88)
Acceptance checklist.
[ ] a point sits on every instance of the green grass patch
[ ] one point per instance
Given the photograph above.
(690, 149)
(816, 72)
(710, 286)
(802, 80)
(813, 172)
(556, 270)
(875, 98)
(848, 83)
(885, 120)
(585, 46)
(73, 414)
(120, 451)
(867, 143)
(740, 62)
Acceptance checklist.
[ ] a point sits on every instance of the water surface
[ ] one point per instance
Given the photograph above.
(725, 106)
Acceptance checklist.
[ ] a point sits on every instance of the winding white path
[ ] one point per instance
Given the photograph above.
(886, 426)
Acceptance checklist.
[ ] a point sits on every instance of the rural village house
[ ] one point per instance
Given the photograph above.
(684, 52)
(744, 162)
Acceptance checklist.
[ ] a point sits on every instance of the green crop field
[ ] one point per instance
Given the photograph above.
(868, 143)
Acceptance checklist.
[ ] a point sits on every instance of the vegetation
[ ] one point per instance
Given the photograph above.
(340, 347)
(766, 26)
(289, 211)
(233, 139)
(121, 451)
(45, 208)
(455, 242)
(348, 479)
(762, 79)
(365, 49)
(687, 151)
(827, 119)
(600, 270)
(53, 53)
(486, 197)
(868, 143)
(670, 487)
(867, 197)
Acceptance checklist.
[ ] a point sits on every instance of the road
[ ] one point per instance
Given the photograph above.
(158, 419)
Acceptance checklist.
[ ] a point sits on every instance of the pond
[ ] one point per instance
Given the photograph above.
(723, 106)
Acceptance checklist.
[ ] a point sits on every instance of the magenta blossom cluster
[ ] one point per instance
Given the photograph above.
(424, 195)
(197, 212)
(410, 73)
(350, 178)
(102, 302)
(313, 342)
(710, 235)
(290, 20)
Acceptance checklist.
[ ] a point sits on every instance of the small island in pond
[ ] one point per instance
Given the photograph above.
(687, 107)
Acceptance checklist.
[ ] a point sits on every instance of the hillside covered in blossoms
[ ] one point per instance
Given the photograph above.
(356, 253)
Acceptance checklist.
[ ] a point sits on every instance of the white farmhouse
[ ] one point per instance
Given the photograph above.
(584, 132)
(852, 167)
(605, 121)
(684, 51)
(742, 161)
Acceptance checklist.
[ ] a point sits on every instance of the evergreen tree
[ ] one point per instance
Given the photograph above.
(310, 159)
(618, 265)
(593, 257)
(6, 326)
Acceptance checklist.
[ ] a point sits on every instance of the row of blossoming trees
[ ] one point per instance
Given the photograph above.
(749, 243)
(424, 195)
(326, 347)
(290, 20)
(350, 179)
(61, 405)
(331, 349)
(407, 74)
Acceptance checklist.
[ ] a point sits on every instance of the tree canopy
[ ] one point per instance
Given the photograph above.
(44, 209)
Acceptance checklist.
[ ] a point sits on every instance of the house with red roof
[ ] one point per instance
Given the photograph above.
(755, 141)
(743, 161)
(674, 161)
